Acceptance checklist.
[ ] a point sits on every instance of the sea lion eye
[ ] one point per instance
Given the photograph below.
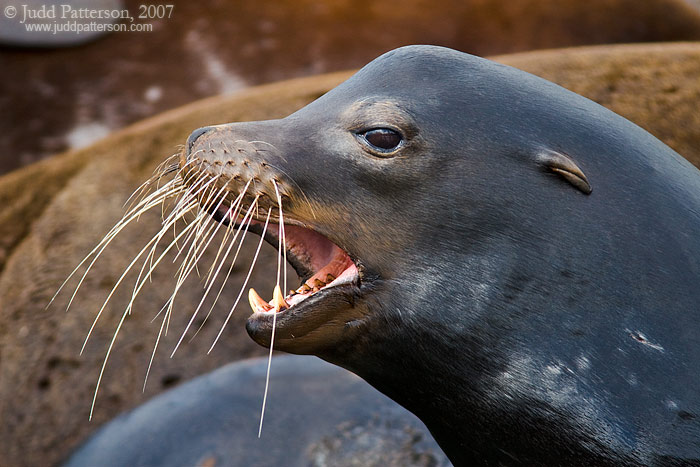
(382, 139)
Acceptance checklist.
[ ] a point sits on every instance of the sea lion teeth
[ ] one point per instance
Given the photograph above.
(329, 278)
(278, 299)
(256, 302)
(292, 292)
(304, 288)
(318, 283)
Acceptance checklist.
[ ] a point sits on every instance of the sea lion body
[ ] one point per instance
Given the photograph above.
(528, 261)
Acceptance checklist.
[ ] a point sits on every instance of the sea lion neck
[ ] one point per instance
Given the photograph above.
(482, 421)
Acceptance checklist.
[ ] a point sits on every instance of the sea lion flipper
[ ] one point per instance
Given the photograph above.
(565, 166)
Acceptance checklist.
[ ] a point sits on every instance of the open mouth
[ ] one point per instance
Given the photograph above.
(323, 267)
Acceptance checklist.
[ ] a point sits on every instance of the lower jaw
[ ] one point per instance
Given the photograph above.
(312, 326)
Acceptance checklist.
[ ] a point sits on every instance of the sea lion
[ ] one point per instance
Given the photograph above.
(511, 262)
(49, 221)
(324, 416)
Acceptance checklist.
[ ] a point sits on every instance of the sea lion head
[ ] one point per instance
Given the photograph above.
(390, 184)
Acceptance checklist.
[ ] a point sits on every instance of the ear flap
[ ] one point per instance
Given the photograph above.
(565, 166)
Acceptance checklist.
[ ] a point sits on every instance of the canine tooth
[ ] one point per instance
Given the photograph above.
(278, 299)
(256, 302)
(292, 292)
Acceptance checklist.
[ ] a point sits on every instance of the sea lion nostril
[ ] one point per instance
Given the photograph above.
(193, 137)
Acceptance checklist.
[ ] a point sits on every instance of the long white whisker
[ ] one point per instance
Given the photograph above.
(104, 363)
(211, 283)
(140, 282)
(283, 244)
(242, 227)
(149, 258)
(114, 288)
(125, 220)
(106, 240)
(194, 255)
(206, 224)
(245, 282)
(183, 270)
(186, 198)
(232, 213)
(119, 326)
(196, 250)
(155, 241)
(178, 177)
(153, 354)
(308, 201)
(158, 174)
(200, 215)
(281, 250)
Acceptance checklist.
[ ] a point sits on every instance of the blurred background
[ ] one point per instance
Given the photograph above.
(77, 102)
